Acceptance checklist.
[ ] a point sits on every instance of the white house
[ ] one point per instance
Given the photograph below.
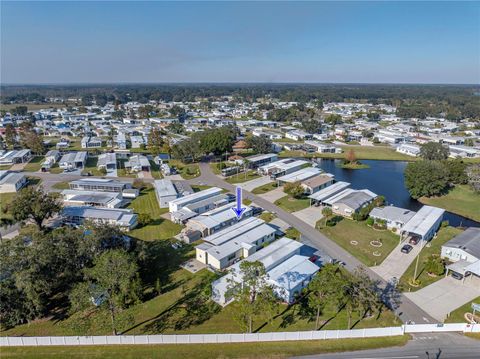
(11, 181)
(287, 270)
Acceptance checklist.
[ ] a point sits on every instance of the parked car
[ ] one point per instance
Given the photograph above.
(313, 258)
(457, 276)
(414, 240)
(257, 210)
(407, 248)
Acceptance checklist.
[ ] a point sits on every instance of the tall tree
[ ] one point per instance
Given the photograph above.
(10, 136)
(259, 144)
(425, 178)
(113, 283)
(325, 288)
(434, 151)
(254, 296)
(156, 141)
(32, 140)
(35, 204)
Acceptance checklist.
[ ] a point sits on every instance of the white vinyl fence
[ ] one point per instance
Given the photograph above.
(236, 338)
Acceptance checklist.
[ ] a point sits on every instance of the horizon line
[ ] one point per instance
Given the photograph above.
(234, 83)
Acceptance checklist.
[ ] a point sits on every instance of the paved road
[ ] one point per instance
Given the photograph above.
(406, 310)
(424, 346)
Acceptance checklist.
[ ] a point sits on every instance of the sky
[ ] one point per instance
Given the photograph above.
(318, 42)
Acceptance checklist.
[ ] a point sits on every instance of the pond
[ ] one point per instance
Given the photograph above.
(386, 178)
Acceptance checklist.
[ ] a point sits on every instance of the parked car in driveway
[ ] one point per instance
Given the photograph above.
(407, 248)
(456, 275)
(414, 240)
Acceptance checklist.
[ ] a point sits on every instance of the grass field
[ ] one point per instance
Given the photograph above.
(461, 200)
(444, 235)
(265, 188)
(160, 228)
(347, 230)
(61, 185)
(179, 310)
(187, 171)
(155, 170)
(275, 350)
(293, 233)
(240, 178)
(266, 216)
(5, 200)
(361, 153)
(91, 166)
(34, 165)
(290, 204)
(457, 316)
(32, 106)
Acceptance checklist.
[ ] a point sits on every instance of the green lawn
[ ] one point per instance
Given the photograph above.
(55, 169)
(458, 315)
(34, 165)
(443, 236)
(91, 166)
(293, 233)
(361, 153)
(265, 188)
(187, 171)
(5, 200)
(177, 311)
(160, 228)
(290, 204)
(266, 216)
(240, 178)
(61, 185)
(155, 170)
(347, 230)
(461, 200)
(276, 350)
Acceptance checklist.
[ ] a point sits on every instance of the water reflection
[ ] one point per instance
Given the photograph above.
(385, 178)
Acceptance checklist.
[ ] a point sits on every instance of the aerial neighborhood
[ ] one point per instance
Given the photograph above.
(202, 201)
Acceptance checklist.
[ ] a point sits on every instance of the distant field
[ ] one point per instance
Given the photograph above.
(361, 152)
(32, 107)
(461, 200)
(277, 350)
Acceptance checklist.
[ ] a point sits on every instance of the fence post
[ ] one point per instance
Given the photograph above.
(364, 332)
(36, 341)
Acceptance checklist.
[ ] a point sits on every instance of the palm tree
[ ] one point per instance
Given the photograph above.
(327, 214)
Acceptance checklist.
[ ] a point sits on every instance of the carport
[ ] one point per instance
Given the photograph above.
(466, 269)
(423, 224)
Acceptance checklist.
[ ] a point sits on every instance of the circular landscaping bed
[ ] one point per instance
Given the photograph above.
(376, 244)
(354, 243)
(376, 254)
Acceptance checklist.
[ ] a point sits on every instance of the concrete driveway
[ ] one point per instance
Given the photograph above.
(272, 196)
(309, 215)
(397, 262)
(257, 182)
(444, 296)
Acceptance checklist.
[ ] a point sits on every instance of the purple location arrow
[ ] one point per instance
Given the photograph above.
(239, 209)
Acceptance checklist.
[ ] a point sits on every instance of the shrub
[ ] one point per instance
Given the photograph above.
(144, 219)
(370, 221)
(435, 265)
(138, 184)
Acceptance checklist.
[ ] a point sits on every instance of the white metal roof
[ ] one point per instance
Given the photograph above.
(423, 220)
(329, 191)
(165, 188)
(197, 196)
(300, 175)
